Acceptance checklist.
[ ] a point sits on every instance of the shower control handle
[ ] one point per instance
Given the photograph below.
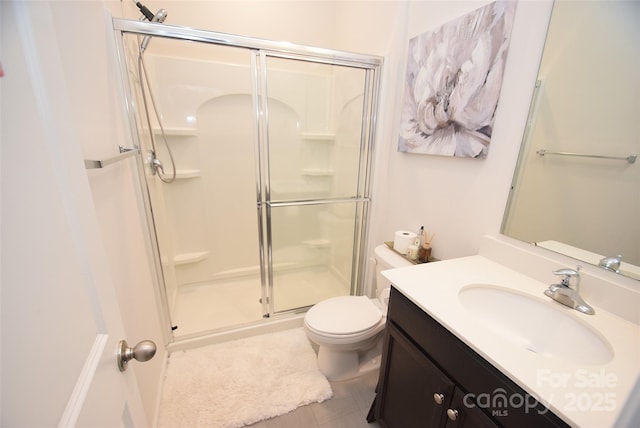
(143, 351)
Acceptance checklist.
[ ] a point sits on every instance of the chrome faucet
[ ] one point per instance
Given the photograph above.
(611, 263)
(567, 292)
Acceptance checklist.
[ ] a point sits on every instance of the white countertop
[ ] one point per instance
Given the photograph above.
(584, 395)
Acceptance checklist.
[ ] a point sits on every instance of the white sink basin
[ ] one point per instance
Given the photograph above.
(536, 324)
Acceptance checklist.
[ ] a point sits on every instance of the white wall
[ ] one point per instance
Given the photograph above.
(461, 199)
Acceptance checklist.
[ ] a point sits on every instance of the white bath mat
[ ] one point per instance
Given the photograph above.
(241, 382)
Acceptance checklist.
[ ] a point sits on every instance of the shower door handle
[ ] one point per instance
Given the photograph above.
(143, 351)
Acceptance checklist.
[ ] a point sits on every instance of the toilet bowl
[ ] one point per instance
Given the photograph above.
(348, 329)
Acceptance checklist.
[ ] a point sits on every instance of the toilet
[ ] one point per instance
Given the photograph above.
(348, 329)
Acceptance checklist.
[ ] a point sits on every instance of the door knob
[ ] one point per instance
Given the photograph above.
(143, 351)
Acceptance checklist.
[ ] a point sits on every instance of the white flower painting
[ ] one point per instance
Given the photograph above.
(453, 81)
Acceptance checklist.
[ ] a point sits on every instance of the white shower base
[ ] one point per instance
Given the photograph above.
(235, 302)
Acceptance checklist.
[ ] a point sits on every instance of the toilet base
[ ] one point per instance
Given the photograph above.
(343, 365)
(338, 365)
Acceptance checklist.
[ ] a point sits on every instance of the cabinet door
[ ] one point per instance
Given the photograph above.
(459, 414)
(413, 391)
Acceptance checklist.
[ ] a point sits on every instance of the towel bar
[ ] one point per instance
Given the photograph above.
(630, 158)
(124, 153)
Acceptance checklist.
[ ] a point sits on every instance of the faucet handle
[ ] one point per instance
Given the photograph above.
(567, 274)
(611, 263)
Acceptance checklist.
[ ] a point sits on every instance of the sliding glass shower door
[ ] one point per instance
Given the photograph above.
(266, 213)
(316, 153)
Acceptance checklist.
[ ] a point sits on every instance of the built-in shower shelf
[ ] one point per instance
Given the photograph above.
(317, 172)
(177, 132)
(186, 258)
(182, 174)
(311, 136)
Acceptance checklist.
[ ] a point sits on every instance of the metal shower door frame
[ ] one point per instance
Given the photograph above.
(261, 49)
(363, 197)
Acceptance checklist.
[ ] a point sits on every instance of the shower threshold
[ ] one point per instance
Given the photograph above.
(224, 306)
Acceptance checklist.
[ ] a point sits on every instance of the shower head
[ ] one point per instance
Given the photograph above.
(159, 17)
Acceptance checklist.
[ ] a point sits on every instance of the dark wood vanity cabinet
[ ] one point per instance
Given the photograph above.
(416, 393)
(429, 378)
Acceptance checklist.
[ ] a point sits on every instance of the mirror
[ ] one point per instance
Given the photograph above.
(576, 189)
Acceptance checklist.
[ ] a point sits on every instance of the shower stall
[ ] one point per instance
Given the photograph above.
(255, 157)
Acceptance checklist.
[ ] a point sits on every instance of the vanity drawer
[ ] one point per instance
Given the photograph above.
(468, 369)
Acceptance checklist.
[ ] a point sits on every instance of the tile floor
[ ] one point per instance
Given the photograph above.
(347, 409)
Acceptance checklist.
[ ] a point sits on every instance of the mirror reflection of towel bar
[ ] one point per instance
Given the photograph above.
(124, 153)
(630, 158)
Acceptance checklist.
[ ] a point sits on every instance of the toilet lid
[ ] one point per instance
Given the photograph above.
(343, 315)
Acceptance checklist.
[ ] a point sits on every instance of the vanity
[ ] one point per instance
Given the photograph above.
(474, 342)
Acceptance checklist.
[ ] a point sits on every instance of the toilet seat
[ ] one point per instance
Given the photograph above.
(343, 316)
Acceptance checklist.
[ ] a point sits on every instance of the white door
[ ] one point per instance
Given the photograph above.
(60, 320)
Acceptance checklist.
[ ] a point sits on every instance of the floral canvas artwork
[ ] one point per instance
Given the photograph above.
(453, 81)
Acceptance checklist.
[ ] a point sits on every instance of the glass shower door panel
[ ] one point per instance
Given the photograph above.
(205, 219)
(315, 129)
(312, 253)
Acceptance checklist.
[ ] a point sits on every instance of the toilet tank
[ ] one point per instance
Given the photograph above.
(386, 258)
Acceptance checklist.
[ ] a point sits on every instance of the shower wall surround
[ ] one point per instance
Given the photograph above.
(209, 127)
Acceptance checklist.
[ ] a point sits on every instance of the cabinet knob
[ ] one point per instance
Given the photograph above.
(452, 414)
(438, 398)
